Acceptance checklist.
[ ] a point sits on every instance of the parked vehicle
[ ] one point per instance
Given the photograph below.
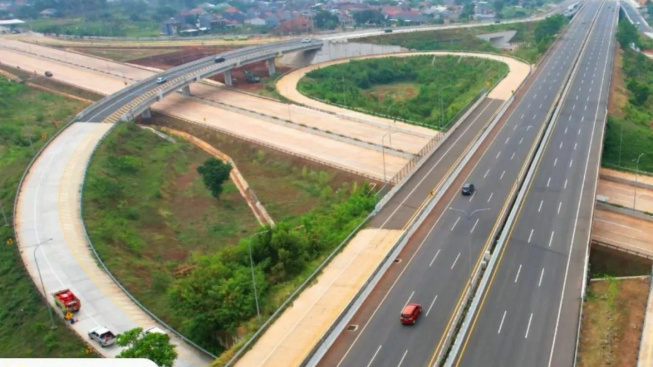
(219, 59)
(161, 80)
(153, 329)
(67, 301)
(102, 336)
(251, 77)
(48, 74)
(388, 30)
(410, 313)
(468, 189)
(306, 40)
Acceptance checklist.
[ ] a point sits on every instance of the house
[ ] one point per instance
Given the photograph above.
(48, 13)
(413, 17)
(483, 8)
(170, 27)
(258, 22)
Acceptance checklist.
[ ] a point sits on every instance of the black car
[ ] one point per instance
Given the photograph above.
(219, 59)
(48, 74)
(468, 189)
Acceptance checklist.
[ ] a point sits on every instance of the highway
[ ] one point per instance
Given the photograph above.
(529, 314)
(100, 111)
(638, 20)
(435, 267)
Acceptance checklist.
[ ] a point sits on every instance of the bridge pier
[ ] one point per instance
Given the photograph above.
(227, 78)
(271, 68)
(185, 91)
(147, 114)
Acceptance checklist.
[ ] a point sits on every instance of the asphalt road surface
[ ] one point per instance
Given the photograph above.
(523, 321)
(635, 15)
(436, 270)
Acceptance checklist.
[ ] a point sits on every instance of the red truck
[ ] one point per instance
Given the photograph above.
(67, 301)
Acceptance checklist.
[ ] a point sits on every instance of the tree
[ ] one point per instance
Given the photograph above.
(627, 34)
(368, 17)
(468, 11)
(649, 8)
(498, 6)
(326, 20)
(214, 172)
(153, 346)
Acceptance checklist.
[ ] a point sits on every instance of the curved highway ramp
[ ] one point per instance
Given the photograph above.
(50, 232)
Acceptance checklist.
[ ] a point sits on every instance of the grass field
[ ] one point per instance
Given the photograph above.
(24, 323)
(126, 54)
(628, 133)
(613, 313)
(147, 210)
(464, 39)
(118, 27)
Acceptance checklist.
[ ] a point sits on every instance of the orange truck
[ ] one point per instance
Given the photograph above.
(67, 301)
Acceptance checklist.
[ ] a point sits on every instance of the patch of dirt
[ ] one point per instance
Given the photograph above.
(124, 54)
(613, 318)
(395, 91)
(188, 54)
(618, 93)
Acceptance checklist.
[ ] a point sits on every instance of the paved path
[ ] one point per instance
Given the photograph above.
(623, 231)
(618, 188)
(48, 213)
(645, 358)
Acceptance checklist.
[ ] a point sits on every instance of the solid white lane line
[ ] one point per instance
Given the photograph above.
(502, 173)
(490, 198)
(374, 356)
(541, 276)
(512, 156)
(530, 236)
(571, 162)
(565, 184)
(551, 239)
(454, 225)
(434, 257)
(486, 172)
(548, 182)
(518, 271)
(559, 206)
(501, 324)
(540, 208)
(455, 261)
(431, 306)
(529, 326)
(498, 154)
(475, 223)
(555, 162)
(402, 358)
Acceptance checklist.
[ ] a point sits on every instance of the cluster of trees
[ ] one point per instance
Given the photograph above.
(446, 84)
(218, 295)
(546, 30)
(153, 346)
(326, 20)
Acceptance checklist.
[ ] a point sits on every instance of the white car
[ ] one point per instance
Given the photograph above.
(161, 80)
(306, 40)
(102, 335)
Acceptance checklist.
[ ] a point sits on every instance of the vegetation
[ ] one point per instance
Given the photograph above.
(214, 173)
(184, 255)
(628, 133)
(154, 346)
(26, 117)
(464, 39)
(613, 314)
(432, 89)
(218, 296)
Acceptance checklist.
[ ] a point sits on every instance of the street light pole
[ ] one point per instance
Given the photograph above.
(636, 175)
(383, 154)
(45, 295)
(251, 266)
(468, 217)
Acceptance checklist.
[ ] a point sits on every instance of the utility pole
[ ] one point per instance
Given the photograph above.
(636, 175)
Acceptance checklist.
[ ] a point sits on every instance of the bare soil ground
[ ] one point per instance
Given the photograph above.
(188, 54)
(394, 91)
(613, 317)
(618, 93)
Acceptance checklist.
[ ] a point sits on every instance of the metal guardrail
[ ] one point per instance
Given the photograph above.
(622, 249)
